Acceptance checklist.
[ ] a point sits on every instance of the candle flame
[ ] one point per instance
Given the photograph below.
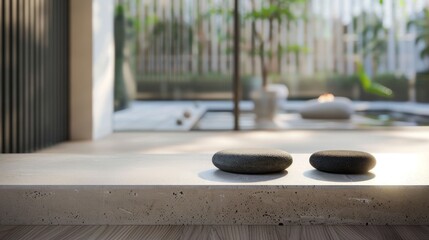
(327, 97)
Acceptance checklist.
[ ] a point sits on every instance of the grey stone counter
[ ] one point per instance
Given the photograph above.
(187, 189)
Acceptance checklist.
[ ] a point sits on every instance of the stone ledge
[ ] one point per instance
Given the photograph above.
(186, 189)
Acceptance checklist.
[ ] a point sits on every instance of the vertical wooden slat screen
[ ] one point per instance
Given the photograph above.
(331, 34)
(6, 77)
(14, 71)
(37, 72)
(34, 74)
(2, 71)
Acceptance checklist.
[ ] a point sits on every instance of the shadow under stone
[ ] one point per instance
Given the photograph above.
(216, 175)
(333, 177)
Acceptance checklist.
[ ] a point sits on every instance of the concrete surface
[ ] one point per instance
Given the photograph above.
(411, 140)
(187, 189)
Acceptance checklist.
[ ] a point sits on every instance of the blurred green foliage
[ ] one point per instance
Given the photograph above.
(422, 26)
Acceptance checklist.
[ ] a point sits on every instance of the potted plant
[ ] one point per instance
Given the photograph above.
(263, 46)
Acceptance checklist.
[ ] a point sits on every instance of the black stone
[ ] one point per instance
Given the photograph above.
(252, 161)
(342, 161)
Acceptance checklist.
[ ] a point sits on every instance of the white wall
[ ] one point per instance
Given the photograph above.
(103, 66)
(91, 68)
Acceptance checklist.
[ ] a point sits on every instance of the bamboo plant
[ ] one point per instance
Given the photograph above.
(275, 11)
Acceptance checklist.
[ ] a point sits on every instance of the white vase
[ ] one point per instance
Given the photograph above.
(265, 104)
(282, 92)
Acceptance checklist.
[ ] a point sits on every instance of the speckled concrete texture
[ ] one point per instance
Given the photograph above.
(214, 205)
(187, 189)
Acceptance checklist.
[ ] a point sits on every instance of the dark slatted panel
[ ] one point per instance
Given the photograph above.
(58, 74)
(34, 74)
(44, 78)
(37, 73)
(52, 83)
(21, 70)
(15, 70)
(65, 73)
(27, 76)
(2, 67)
(6, 84)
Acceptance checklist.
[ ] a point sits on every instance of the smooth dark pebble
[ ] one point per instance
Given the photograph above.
(343, 161)
(252, 160)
